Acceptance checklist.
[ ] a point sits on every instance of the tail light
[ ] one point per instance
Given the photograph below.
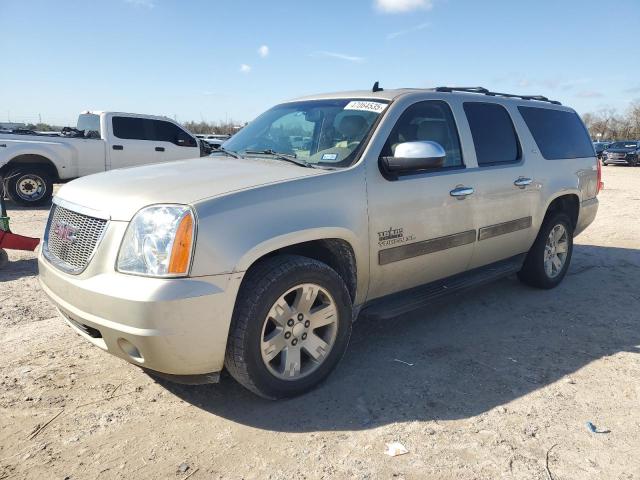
(600, 184)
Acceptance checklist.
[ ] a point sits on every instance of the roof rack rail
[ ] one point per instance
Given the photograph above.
(484, 91)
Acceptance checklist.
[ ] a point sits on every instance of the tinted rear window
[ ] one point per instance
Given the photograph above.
(494, 136)
(557, 133)
(131, 128)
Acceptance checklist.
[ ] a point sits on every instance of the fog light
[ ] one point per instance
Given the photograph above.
(130, 349)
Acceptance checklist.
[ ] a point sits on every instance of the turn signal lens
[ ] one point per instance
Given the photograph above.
(182, 244)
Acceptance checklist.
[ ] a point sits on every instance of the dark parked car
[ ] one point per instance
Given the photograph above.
(622, 153)
(600, 147)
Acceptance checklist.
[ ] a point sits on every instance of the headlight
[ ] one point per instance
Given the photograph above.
(158, 242)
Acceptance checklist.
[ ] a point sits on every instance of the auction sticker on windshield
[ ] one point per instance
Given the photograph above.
(376, 107)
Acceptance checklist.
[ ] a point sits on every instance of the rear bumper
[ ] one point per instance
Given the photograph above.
(175, 327)
(587, 214)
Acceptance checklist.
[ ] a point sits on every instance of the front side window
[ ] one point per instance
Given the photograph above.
(430, 120)
(329, 133)
(558, 134)
(169, 132)
(494, 136)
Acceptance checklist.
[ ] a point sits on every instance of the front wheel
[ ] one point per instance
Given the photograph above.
(29, 186)
(290, 327)
(548, 260)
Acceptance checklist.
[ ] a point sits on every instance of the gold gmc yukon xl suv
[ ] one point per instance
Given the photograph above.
(258, 258)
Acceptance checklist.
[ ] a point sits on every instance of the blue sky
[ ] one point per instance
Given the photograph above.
(203, 59)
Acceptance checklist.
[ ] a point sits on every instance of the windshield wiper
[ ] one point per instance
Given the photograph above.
(231, 153)
(287, 157)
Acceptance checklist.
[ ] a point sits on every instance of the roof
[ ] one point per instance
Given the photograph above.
(472, 93)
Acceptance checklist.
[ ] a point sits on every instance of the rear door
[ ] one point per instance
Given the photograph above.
(506, 192)
(419, 230)
(131, 142)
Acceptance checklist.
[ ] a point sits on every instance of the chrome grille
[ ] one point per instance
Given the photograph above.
(71, 238)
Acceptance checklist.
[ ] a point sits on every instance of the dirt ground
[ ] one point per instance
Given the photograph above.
(499, 382)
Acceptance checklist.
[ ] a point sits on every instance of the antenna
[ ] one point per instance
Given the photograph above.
(377, 87)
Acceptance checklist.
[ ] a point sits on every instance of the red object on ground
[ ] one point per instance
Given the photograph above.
(11, 241)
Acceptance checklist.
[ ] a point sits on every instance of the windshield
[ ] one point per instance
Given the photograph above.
(623, 145)
(328, 133)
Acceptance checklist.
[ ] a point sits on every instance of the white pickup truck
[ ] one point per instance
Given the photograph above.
(31, 163)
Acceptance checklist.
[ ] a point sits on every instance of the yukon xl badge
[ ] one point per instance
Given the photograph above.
(393, 236)
(65, 232)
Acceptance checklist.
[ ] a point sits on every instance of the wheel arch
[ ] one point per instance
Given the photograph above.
(24, 159)
(568, 203)
(334, 250)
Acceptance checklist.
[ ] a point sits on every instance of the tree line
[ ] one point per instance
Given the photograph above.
(608, 124)
(605, 124)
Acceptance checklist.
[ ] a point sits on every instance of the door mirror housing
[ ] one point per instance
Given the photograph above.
(413, 157)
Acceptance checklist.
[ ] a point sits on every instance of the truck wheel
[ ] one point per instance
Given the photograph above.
(4, 258)
(290, 327)
(548, 260)
(29, 186)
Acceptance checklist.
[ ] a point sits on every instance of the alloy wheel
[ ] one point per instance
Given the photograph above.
(555, 251)
(299, 332)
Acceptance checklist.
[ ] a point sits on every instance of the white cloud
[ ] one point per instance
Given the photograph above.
(142, 3)
(417, 28)
(340, 56)
(244, 68)
(263, 51)
(399, 6)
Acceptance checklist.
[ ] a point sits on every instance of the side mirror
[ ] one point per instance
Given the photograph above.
(411, 157)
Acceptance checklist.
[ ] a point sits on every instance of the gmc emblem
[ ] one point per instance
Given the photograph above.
(65, 232)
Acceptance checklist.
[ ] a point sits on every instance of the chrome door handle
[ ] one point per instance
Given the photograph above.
(461, 192)
(522, 182)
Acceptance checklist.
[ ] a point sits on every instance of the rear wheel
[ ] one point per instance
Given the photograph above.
(548, 260)
(291, 326)
(4, 258)
(29, 186)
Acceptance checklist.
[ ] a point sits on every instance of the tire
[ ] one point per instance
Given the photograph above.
(534, 271)
(253, 323)
(4, 258)
(27, 179)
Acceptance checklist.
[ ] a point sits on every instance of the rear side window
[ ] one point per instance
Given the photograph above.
(131, 128)
(494, 136)
(557, 133)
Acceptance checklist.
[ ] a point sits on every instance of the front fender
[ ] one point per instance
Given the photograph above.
(293, 238)
(236, 230)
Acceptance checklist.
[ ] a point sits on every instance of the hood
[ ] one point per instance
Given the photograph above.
(123, 192)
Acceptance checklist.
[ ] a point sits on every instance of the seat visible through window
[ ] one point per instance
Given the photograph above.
(427, 121)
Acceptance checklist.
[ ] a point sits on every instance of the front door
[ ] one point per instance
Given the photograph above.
(132, 142)
(422, 226)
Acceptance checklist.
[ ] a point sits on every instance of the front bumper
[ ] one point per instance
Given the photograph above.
(626, 160)
(177, 327)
